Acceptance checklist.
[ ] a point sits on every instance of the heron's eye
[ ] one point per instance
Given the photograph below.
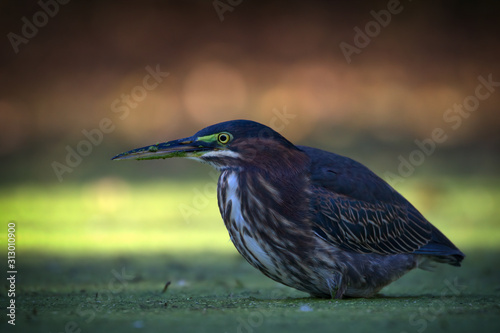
(223, 138)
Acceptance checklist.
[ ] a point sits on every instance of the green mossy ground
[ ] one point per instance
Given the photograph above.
(224, 294)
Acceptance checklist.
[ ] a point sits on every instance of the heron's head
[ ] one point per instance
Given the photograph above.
(231, 144)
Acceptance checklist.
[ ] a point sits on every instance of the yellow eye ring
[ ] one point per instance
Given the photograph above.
(223, 138)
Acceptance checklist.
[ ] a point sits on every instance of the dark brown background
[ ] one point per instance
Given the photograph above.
(263, 56)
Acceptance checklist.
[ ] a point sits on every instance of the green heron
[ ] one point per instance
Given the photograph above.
(310, 219)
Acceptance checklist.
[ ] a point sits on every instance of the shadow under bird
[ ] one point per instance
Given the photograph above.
(310, 219)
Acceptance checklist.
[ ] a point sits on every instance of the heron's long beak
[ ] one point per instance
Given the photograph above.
(187, 147)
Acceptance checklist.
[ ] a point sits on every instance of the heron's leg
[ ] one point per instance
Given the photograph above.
(336, 286)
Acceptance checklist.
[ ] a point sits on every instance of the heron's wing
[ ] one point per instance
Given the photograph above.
(364, 227)
(356, 210)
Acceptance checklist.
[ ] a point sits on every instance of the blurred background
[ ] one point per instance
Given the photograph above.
(77, 86)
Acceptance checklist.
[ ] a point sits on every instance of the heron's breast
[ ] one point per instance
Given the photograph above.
(241, 230)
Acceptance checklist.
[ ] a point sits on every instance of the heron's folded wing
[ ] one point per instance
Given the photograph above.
(355, 209)
(365, 227)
